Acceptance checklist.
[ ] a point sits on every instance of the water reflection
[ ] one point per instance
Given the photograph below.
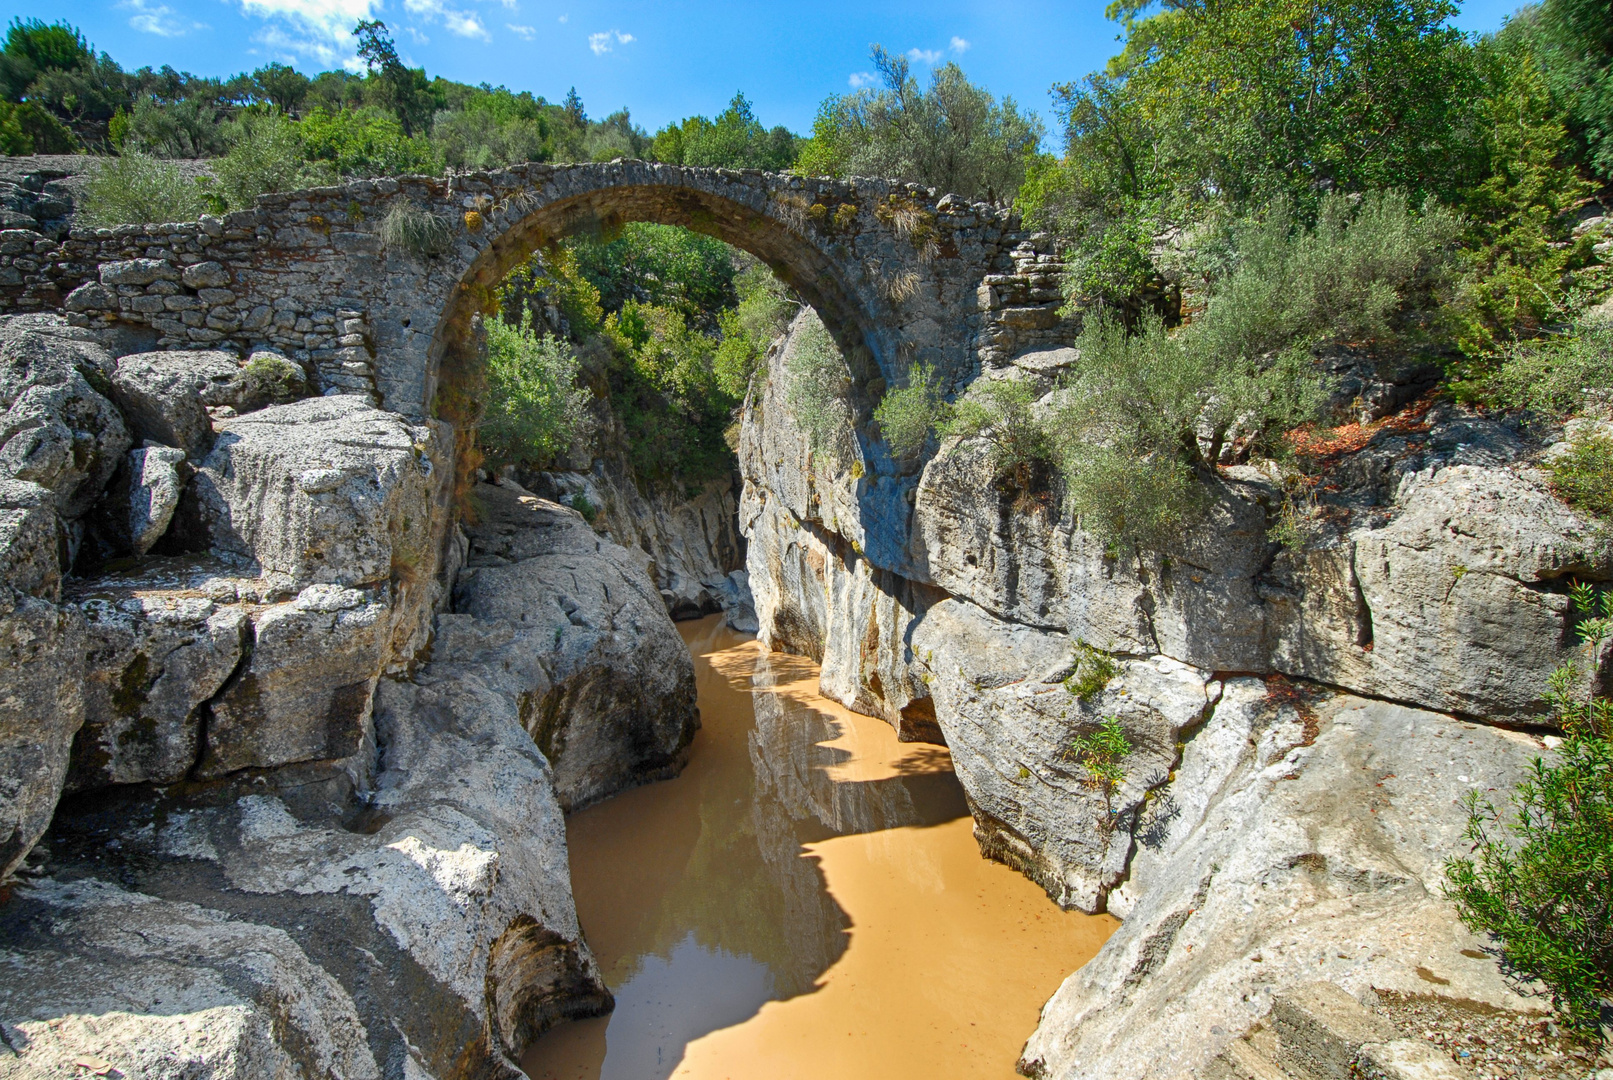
(704, 898)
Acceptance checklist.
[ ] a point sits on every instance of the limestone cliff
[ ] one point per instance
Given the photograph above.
(1259, 825)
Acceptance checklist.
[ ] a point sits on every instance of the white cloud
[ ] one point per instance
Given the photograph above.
(320, 30)
(565, 18)
(159, 19)
(526, 33)
(924, 56)
(464, 23)
(416, 36)
(959, 45)
(603, 43)
(860, 78)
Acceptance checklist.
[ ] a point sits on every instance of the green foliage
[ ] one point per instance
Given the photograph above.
(134, 189)
(1001, 412)
(1093, 672)
(908, 414)
(734, 140)
(408, 228)
(495, 128)
(1143, 412)
(1583, 476)
(265, 155)
(1575, 40)
(580, 503)
(817, 384)
(1101, 752)
(364, 142)
(534, 407)
(34, 48)
(1556, 376)
(762, 314)
(188, 128)
(554, 276)
(661, 265)
(29, 129)
(664, 387)
(1540, 875)
(953, 136)
(268, 379)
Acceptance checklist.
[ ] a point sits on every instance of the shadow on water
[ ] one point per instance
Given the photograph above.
(697, 895)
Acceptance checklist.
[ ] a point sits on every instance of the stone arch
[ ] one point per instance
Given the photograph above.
(855, 314)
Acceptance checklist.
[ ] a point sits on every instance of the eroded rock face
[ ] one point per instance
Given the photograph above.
(603, 681)
(1300, 840)
(1010, 718)
(41, 708)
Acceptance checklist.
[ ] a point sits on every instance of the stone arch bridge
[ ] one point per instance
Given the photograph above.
(897, 272)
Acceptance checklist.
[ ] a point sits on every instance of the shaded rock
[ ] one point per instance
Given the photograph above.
(327, 490)
(158, 988)
(1010, 720)
(138, 272)
(604, 682)
(56, 429)
(435, 910)
(41, 707)
(1299, 840)
(305, 694)
(163, 395)
(155, 484)
(156, 652)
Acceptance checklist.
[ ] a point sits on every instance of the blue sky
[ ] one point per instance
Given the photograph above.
(664, 60)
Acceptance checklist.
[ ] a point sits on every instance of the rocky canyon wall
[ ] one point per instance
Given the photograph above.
(1300, 719)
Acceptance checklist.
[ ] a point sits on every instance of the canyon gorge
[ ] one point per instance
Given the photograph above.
(298, 699)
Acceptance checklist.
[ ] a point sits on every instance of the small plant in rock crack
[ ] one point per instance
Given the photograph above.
(1093, 670)
(1100, 753)
(1540, 876)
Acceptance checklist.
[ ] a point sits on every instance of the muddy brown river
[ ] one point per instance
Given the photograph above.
(805, 900)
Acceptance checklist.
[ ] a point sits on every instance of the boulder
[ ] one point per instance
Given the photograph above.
(41, 708)
(305, 694)
(164, 395)
(163, 988)
(155, 484)
(157, 650)
(327, 490)
(424, 928)
(56, 429)
(1302, 837)
(604, 683)
(1005, 696)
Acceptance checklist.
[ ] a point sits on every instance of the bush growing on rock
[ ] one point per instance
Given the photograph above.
(1002, 413)
(1541, 875)
(907, 414)
(134, 189)
(818, 384)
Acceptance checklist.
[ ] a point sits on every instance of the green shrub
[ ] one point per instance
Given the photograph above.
(763, 313)
(1551, 376)
(581, 503)
(408, 228)
(818, 383)
(133, 189)
(1093, 671)
(1583, 476)
(1540, 878)
(1144, 413)
(1001, 412)
(907, 414)
(268, 379)
(1101, 752)
(265, 155)
(534, 407)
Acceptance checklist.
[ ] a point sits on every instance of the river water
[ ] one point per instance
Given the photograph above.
(805, 900)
